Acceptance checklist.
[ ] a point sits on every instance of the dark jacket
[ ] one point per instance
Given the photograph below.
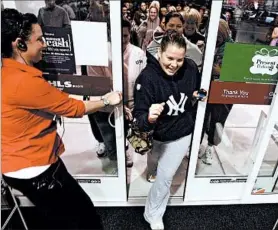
(140, 16)
(154, 86)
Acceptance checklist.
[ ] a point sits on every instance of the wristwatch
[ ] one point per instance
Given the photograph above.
(105, 101)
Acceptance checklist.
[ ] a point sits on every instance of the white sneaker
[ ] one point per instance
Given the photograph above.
(208, 156)
(151, 178)
(158, 225)
(101, 151)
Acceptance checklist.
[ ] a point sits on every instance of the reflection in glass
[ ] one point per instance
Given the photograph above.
(233, 154)
(230, 130)
(267, 181)
(97, 151)
(270, 162)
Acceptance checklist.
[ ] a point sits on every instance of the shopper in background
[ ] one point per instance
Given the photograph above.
(172, 9)
(53, 15)
(175, 21)
(216, 113)
(134, 62)
(203, 28)
(229, 18)
(67, 7)
(192, 21)
(126, 13)
(163, 96)
(146, 29)
(96, 13)
(163, 11)
(160, 30)
(31, 146)
(179, 8)
(140, 15)
(274, 35)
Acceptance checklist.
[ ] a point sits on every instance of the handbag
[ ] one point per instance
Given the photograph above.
(142, 142)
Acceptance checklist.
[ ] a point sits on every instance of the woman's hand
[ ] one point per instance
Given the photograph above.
(200, 95)
(154, 111)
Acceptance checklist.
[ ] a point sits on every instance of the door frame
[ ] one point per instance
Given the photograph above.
(113, 189)
(260, 153)
(203, 189)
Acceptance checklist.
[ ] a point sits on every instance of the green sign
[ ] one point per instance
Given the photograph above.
(249, 63)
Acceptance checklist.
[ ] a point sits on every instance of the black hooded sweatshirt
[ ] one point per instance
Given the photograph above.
(154, 86)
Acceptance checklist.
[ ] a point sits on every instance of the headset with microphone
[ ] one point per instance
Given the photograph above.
(21, 45)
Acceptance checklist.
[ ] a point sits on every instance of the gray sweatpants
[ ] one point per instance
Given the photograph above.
(169, 156)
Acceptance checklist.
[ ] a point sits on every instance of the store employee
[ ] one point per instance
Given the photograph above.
(30, 144)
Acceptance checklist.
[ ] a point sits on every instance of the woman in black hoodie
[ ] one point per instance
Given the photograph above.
(164, 96)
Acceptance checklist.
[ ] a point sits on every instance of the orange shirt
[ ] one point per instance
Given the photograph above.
(29, 103)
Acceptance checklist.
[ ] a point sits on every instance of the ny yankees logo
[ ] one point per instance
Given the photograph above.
(174, 108)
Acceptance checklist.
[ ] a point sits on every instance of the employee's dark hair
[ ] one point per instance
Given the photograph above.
(126, 24)
(14, 25)
(173, 14)
(173, 38)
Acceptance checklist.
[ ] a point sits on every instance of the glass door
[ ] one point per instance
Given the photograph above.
(196, 17)
(100, 164)
(229, 127)
(107, 169)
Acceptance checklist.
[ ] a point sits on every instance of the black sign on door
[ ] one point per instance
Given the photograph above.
(58, 57)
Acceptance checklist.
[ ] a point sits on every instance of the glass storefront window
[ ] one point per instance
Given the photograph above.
(241, 90)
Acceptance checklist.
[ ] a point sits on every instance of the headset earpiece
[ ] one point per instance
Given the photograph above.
(21, 45)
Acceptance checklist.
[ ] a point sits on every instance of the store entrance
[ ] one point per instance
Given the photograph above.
(229, 127)
(194, 25)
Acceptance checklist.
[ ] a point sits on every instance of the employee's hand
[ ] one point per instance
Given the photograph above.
(114, 97)
(154, 111)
